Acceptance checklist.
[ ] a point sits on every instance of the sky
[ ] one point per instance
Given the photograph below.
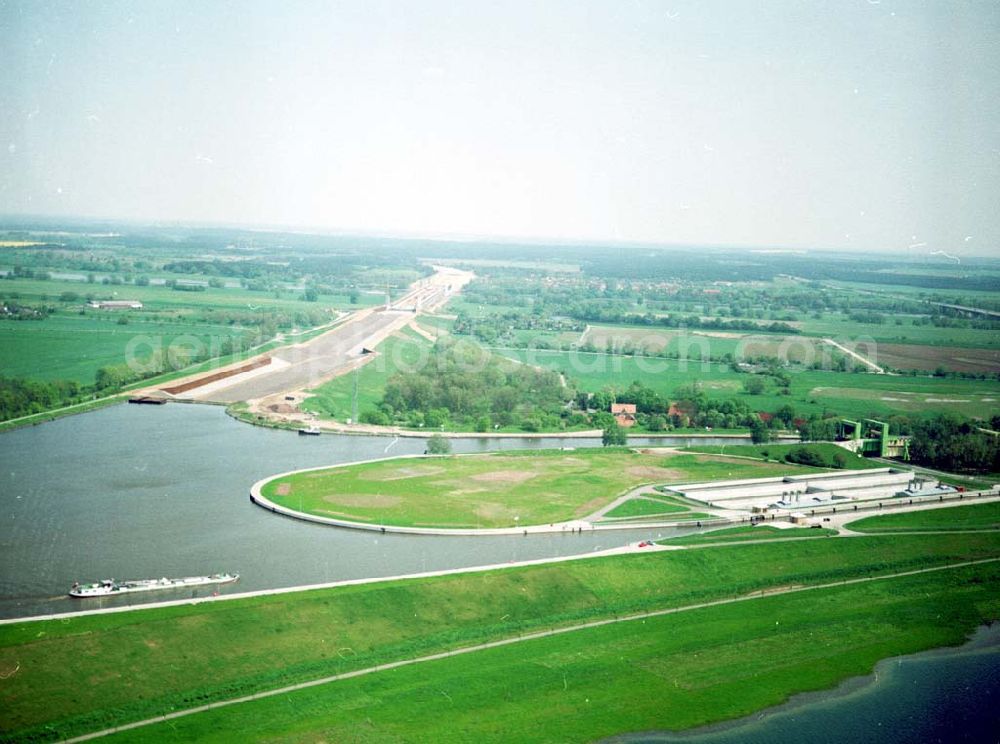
(850, 124)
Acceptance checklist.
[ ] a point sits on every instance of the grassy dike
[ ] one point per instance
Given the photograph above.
(81, 674)
(737, 534)
(956, 518)
(669, 672)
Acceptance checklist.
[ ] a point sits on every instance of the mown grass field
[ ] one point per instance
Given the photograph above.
(968, 517)
(495, 490)
(646, 508)
(85, 673)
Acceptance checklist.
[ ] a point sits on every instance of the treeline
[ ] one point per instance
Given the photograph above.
(595, 313)
(19, 397)
(722, 265)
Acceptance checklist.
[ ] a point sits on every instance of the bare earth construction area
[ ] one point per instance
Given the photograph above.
(296, 367)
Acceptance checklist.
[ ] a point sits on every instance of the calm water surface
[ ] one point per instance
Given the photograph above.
(148, 491)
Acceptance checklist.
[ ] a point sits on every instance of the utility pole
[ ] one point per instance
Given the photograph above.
(354, 403)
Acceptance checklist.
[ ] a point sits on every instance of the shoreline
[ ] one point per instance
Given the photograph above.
(985, 639)
(372, 430)
(630, 549)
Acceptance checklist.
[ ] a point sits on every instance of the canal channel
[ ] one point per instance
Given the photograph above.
(143, 492)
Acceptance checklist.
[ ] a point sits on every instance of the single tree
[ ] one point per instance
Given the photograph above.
(759, 433)
(614, 435)
(438, 445)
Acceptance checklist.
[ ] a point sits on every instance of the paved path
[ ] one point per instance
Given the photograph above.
(518, 639)
(851, 353)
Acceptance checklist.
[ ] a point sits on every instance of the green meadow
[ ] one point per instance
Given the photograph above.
(81, 674)
(495, 490)
(642, 507)
(74, 347)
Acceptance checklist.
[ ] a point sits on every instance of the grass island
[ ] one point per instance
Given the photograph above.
(506, 490)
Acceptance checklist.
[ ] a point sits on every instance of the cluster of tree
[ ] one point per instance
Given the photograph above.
(182, 286)
(594, 312)
(19, 397)
(944, 318)
(689, 408)
(241, 269)
(462, 385)
(868, 317)
(805, 456)
(499, 327)
(23, 272)
(13, 310)
(950, 443)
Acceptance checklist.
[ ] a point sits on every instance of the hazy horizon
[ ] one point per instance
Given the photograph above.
(863, 127)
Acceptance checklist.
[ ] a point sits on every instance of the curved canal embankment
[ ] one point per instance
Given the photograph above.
(645, 547)
(565, 527)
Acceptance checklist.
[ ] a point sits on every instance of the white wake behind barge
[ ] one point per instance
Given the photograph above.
(110, 586)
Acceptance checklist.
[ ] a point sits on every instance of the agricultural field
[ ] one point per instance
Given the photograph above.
(82, 674)
(164, 299)
(705, 344)
(958, 518)
(74, 347)
(496, 490)
(931, 358)
(842, 328)
(811, 392)
(891, 395)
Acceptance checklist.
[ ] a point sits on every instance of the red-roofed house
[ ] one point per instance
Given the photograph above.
(624, 413)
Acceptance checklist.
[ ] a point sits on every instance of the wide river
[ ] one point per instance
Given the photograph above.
(148, 491)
